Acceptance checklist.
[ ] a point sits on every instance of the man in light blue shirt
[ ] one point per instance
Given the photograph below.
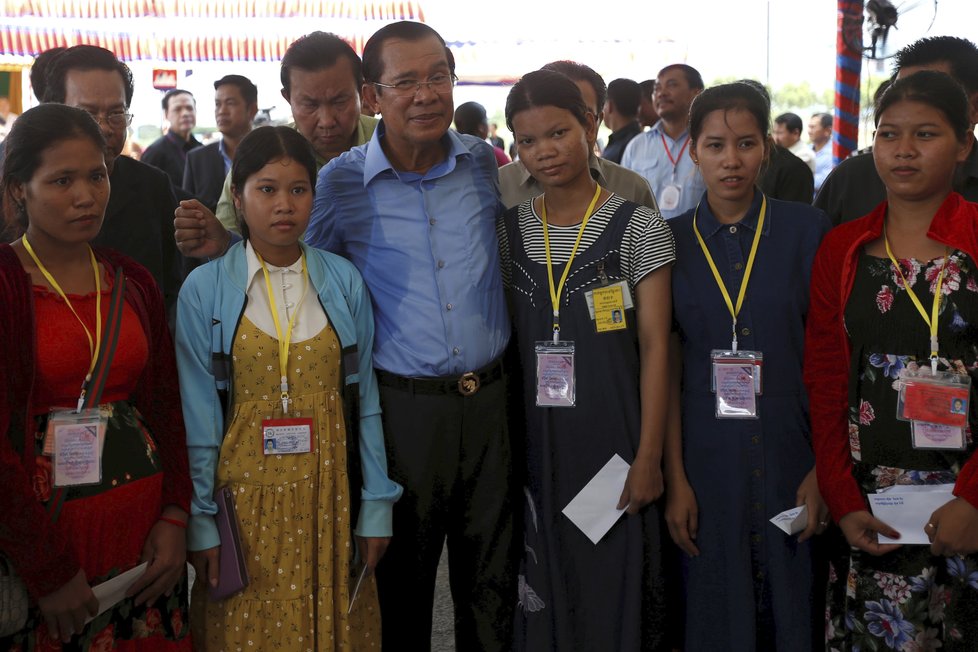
(820, 133)
(661, 154)
(415, 210)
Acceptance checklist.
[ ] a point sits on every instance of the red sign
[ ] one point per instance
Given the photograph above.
(164, 79)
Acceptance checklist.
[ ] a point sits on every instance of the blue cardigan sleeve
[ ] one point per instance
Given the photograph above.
(379, 492)
(202, 412)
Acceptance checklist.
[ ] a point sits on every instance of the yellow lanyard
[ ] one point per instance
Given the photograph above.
(284, 342)
(932, 320)
(93, 346)
(734, 310)
(556, 292)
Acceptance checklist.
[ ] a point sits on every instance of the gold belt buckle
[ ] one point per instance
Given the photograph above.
(468, 384)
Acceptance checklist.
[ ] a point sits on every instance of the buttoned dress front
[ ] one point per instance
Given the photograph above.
(751, 588)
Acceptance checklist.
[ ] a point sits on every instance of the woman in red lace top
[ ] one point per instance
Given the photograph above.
(92, 494)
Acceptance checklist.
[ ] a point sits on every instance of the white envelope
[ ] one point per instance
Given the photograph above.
(907, 508)
(792, 521)
(595, 508)
(112, 592)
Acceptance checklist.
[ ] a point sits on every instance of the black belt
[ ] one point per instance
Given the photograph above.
(465, 385)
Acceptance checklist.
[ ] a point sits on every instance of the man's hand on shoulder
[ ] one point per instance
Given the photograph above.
(198, 232)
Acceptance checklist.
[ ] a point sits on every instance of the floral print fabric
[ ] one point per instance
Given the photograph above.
(909, 599)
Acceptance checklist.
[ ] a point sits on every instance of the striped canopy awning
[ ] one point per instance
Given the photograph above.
(324, 9)
(190, 30)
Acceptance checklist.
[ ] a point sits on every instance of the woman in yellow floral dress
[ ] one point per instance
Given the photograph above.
(274, 350)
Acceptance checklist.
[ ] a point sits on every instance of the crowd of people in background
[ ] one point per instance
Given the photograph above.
(308, 358)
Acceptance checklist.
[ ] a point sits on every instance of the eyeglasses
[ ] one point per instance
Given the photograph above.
(117, 119)
(441, 84)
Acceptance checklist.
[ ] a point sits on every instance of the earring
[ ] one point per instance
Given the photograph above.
(21, 214)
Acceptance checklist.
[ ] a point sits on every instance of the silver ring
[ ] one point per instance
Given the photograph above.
(823, 523)
(929, 525)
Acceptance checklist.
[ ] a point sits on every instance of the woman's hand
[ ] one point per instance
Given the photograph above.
(372, 549)
(66, 609)
(953, 529)
(818, 512)
(642, 486)
(862, 531)
(682, 516)
(207, 564)
(166, 551)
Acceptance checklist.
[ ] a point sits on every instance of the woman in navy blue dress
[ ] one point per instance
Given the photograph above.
(749, 586)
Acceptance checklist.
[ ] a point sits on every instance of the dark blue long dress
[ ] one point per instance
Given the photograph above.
(751, 588)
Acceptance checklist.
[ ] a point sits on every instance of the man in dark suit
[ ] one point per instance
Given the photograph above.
(235, 107)
(169, 151)
(139, 218)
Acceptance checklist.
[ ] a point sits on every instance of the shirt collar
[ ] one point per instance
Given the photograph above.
(254, 266)
(224, 155)
(376, 161)
(659, 131)
(709, 226)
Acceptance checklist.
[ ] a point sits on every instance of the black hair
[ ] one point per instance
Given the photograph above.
(960, 54)
(34, 132)
(579, 72)
(407, 30)
(262, 146)
(791, 121)
(693, 77)
(934, 89)
(83, 57)
(729, 97)
(546, 88)
(824, 119)
(247, 88)
(647, 87)
(39, 71)
(469, 117)
(173, 93)
(627, 96)
(318, 51)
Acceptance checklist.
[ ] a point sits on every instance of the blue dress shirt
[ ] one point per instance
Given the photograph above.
(426, 247)
(645, 155)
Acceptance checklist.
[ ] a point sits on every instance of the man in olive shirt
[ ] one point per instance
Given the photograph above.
(321, 81)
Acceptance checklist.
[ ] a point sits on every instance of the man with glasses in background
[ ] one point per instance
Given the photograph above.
(415, 210)
(139, 216)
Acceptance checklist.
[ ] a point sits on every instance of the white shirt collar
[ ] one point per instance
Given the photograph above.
(254, 265)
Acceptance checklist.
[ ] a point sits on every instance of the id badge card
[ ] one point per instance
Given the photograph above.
(286, 436)
(669, 198)
(607, 305)
(937, 407)
(556, 386)
(75, 441)
(755, 358)
(935, 398)
(736, 381)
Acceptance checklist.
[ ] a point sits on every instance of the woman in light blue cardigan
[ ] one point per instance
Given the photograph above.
(299, 442)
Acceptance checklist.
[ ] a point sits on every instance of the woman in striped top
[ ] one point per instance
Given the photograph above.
(588, 274)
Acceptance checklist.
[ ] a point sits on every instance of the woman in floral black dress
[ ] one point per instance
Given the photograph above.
(863, 331)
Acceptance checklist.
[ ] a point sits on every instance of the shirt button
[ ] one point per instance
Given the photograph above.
(450, 306)
(733, 229)
(745, 331)
(756, 473)
(755, 440)
(431, 221)
(738, 265)
(757, 507)
(756, 538)
(441, 264)
(455, 350)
